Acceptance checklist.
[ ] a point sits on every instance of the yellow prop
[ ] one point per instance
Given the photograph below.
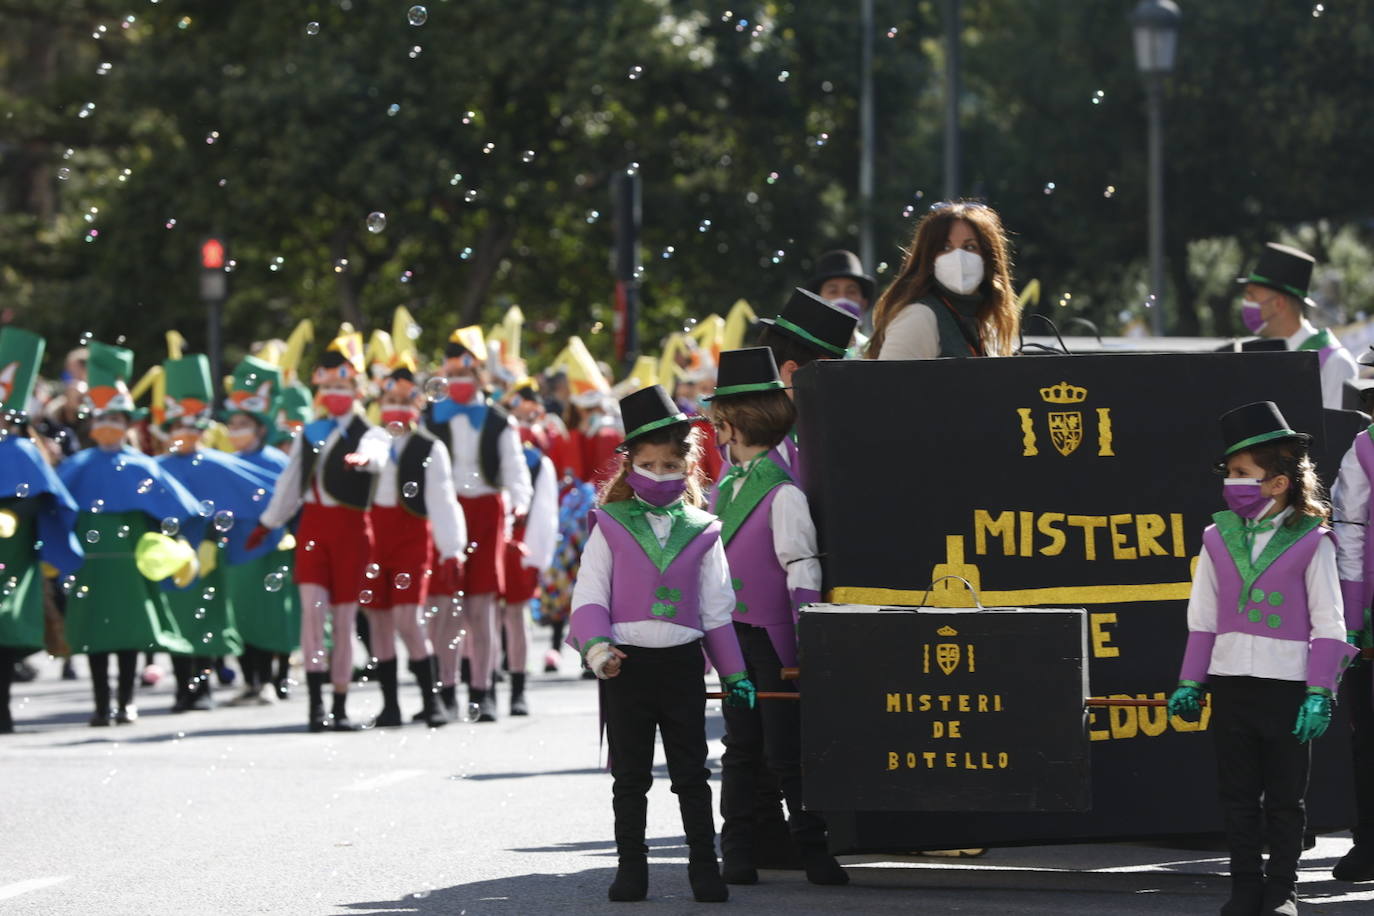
(709, 335)
(584, 376)
(507, 333)
(1030, 294)
(290, 360)
(152, 379)
(157, 556)
(405, 330)
(208, 555)
(380, 350)
(737, 325)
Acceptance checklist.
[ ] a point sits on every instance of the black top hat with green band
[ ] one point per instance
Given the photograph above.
(647, 410)
(816, 323)
(1256, 424)
(20, 353)
(746, 372)
(1285, 269)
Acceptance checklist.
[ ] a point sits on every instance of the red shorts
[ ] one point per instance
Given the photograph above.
(403, 551)
(483, 570)
(332, 548)
(521, 581)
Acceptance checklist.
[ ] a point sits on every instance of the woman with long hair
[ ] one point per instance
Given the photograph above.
(953, 296)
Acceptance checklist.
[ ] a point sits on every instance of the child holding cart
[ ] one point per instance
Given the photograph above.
(770, 543)
(653, 589)
(1267, 637)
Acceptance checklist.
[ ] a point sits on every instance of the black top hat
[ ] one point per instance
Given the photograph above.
(745, 372)
(1255, 424)
(816, 323)
(647, 410)
(1357, 394)
(841, 264)
(1285, 269)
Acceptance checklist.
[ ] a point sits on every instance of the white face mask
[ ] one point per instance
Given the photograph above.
(659, 478)
(959, 271)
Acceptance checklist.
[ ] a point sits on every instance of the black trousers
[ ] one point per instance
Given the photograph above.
(768, 735)
(100, 677)
(661, 690)
(1357, 695)
(1261, 773)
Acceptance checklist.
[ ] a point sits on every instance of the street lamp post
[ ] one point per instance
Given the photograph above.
(1155, 27)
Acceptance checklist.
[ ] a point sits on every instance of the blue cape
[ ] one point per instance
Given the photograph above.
(232, 485)
(23, 470)
(130, 481)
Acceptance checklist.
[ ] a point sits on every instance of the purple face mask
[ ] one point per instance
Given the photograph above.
(1253, 317)
(1243, 497)
(656, 489)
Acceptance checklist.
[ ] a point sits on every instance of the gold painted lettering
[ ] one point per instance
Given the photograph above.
(954, 729)
(1096, 734)
(1003, 760)
(1148, 528)
(1153, 719)
(1101, 639)
(1089, 524)
(963, 703)
(1119, 549)
(951, 760)
(1027, 527)
(1004, 525)
(1047, 526)
(1176, 523)
(892, 760)
(925, 702)
(894, 702)
(1122, 718)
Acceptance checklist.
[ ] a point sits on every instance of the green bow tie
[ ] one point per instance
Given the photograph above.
(725, 489)
(638, 508)
(1254, 528)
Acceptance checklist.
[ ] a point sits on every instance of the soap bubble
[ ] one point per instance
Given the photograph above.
(123, 531)
(527, 156)
(1049, 187)
(372, 570)
(171, 527)
(393, 109)
(64, 173)
(636, 72)
(415, 51)
(274, 582)
(704, 226)
(365, 596)
(473, 713)
(410, 489)
(92, 536)
(312, 28)
(376, 221)
(21, 490)
(436, 389)
(402, 580)
(417, 15)
(224, 520)
(206, 508)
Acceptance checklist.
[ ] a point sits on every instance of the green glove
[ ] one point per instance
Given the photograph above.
(1353, 638)
(1186, 701)
(739, 690)
(1313, 717)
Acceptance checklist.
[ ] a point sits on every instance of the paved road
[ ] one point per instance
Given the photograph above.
(240, 811)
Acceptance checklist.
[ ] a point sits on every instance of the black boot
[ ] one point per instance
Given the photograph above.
(707, 884)
(821, 867)
(100, 686)
(1247, 893)
(390, 716)
(486, 703)
(283, 678)
(1280, 899)
(698, 823)
(448, 696)
(128, 671)
(201, 698)
(518, 706)
(1356, 865)
(465, 671)
(632, 877)
(182, 673)
(338, 717)
(314, 682)
(631, 880)
(431, 714)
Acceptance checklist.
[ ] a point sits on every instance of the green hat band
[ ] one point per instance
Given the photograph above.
(1261, 439)
(808, 336)
(1256, 278)
(774, 385)
(658, 424)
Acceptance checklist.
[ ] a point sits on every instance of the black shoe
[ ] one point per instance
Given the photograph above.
(318, 720)
(518, 705)
(127, 715)
(774, 846)
(1280, 899)
(1356, 865)
(448, 698)
(1246, 896)
(388, 718)
(736, 872)
(486, 704)
(821, 867)
(68, 672)
(631, 881)
(283, 687)
(100, 719)
(201, 701)
(24, 672)
(341, 724)
(707, 885)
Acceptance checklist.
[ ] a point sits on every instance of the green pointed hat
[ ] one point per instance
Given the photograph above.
(254, 389)
(20, 353)
(107, 378)
(294, 408)
(190, 394)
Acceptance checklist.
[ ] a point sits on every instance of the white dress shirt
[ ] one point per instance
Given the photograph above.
(794, 533)
(375, 446)
(593, 586)
(1340, 366)
(467, 471)
(1240, 654)
(541, 525)
(913, 333)
(446, 522)
(1350, 497)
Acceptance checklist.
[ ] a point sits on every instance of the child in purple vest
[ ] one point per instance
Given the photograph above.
(770, 542)
(1267, 636)
(1355, 558)
(652, 590)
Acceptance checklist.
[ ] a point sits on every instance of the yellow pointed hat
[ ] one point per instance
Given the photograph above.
(469, 339)
(343, 357)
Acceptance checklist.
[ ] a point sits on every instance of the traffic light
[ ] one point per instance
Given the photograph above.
(212, 254)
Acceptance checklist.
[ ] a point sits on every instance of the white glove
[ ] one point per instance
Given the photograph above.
(597, 657)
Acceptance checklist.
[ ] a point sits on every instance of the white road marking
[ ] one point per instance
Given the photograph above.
(32, 884)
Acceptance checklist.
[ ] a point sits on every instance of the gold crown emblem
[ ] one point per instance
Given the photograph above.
(947, 630)
(1064, 393)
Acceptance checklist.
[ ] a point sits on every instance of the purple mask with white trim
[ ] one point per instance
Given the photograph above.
(656, 489)
(1243, 497)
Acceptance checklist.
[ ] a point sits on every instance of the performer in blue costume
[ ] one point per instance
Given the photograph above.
(231, 494)
(37, 514)
(134, 518)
